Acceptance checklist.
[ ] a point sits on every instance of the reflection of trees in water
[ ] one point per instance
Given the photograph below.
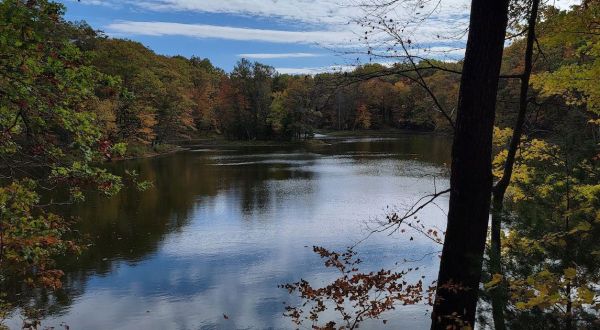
(132, 225)
(426, 147)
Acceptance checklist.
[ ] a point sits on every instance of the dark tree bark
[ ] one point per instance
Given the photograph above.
(499, 294)
(471, 177)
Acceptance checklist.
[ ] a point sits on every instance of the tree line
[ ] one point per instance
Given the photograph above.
(142, 98)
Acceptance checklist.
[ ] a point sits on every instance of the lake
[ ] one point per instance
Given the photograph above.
(223, 227)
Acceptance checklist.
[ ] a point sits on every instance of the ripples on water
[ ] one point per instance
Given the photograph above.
(222, 228)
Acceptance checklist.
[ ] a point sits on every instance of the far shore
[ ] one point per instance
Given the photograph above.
(215, 141)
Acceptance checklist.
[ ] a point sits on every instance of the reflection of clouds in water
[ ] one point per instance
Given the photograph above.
(202, 150)
(183, 293)
(272, 162)
(368, 154)
(243, 230)
(367, 139)
(291, 155)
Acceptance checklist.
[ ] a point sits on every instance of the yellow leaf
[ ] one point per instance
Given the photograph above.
(496, 279)
(570, 273)
(586, 295)
(521, 305)
(584, 226)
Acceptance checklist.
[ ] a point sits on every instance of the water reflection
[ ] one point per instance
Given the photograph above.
(222, 228)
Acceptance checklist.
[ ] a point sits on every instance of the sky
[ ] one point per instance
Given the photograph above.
(294, 36)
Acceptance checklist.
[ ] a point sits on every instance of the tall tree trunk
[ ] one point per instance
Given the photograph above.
(499, 294)
(471, 177)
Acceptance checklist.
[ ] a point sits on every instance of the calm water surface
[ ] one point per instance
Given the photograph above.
(223, 227)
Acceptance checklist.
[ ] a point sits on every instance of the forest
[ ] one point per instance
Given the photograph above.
(141, 98)
(73, 99)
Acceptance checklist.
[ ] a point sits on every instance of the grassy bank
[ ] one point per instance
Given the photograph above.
(135, 151)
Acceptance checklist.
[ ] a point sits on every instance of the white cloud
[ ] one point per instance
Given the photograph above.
(325, 69)
(104, 3)
(278, 55)
(565, 4)
(316, 70)
(230, 33)
(316, 22)
(329, 17)
(443, 52)
(444, 16)
(308, 11)
(340, 39)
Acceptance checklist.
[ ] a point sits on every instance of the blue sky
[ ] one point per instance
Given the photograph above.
(224, 38)
(294, 36)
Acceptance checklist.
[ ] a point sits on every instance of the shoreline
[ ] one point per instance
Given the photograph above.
(150, 154)
(320, 140)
